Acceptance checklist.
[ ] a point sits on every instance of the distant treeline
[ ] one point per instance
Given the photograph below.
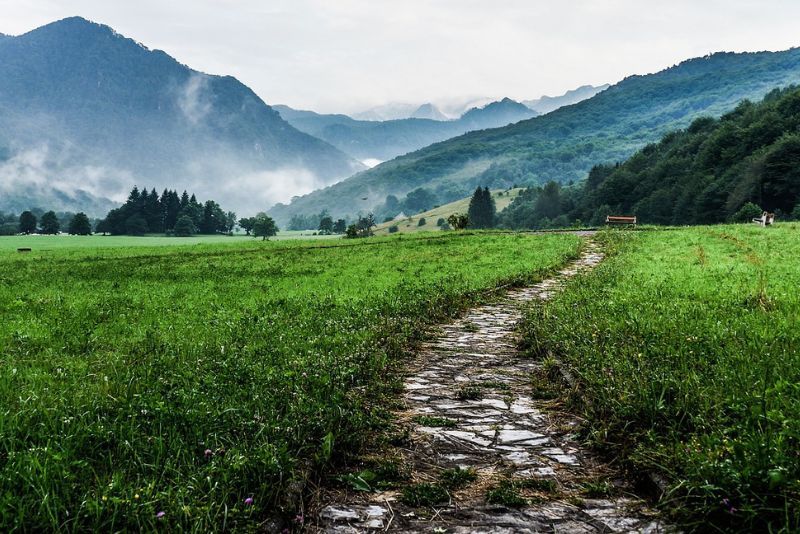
(169, 213)
(716, 170)
(39, 221)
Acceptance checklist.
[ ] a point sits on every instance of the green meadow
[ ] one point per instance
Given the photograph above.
(685, 346)
(197, 387)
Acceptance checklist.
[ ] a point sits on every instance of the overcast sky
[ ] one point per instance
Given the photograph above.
(347, 55)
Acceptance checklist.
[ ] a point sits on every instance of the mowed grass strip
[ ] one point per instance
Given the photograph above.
(687, 345)
(191, 388)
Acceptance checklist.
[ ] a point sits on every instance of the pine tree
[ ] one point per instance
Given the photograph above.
(482, 210)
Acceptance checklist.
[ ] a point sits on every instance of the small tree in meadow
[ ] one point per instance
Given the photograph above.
(422, 222)
(246, 224)
(80, 225)
(458, 221)
(340, 226)
(264, 226)
(50, 224)
(27, 222)
(326, 225)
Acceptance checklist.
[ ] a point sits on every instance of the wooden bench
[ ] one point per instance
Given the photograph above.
(620, 219)
(766, 219)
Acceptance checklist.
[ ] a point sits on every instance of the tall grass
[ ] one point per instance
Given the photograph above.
(686, 344)
(194, 388)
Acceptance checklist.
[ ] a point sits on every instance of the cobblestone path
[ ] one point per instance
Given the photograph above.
(472, 378)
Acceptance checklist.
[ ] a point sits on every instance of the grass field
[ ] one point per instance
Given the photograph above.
(686, 346)
(502, 198)
(48, 243)
(163, 388)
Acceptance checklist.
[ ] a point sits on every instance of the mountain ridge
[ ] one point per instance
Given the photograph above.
(383, 140)
(565, 144)
(104, 112)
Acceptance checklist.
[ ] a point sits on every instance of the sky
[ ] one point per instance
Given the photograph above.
(349, 55)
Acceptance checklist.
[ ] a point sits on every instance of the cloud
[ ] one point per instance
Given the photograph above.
(43, 174)
(194, 100)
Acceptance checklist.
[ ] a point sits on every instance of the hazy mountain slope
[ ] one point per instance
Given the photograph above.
(546, 104)
(429, 111)
(383, 140)
(83, 109)
(565, 144)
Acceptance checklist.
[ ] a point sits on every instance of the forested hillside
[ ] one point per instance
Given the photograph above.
(565, 144)
(715, 170)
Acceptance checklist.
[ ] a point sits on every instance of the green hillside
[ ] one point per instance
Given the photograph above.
(502, 198)
(565, 144)
(704, 174)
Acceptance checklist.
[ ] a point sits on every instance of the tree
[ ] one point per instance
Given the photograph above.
(422, 222)
(326, 224)
(50, 224)
(458, 221)
(184, 226)
(246, 223)
(230, 222)
(80, 225)
(340, 226)
(482, 211)
(27, 222)
(264, 226)
(419, 200)
(135, 225)
(441, 222)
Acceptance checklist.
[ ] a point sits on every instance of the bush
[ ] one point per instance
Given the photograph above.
(796, 213)
(393, 229)
(441, 222)
(747, 213)
(184, 227)
(422, 222)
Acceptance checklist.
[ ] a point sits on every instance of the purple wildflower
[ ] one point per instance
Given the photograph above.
(209, 453)
(299, 518)
(161, 514)
(249, 501)
(727, 504)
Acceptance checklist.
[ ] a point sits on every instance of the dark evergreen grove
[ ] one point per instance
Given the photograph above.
(482, 211)
(704, 174)
(147, 212)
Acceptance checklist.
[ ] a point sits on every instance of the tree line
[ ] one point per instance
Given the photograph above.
(37, 221)
(147, 212)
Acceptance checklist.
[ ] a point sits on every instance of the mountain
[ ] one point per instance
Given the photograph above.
(429, 111)
(704, 174)
(387, 112)
(87, 113)
(565, 144)
(382, 140)
(546, 104)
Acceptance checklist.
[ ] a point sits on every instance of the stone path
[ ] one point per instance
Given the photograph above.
(472, 379)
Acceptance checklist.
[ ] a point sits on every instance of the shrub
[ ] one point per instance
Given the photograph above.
(394, 229)
(422, 222)
(441, 222)
(747, 213)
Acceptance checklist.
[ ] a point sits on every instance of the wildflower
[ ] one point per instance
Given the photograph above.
(105, 498)
(161, 514)
(299, 518)
(136, 497)
(727, 504)
(248, 501)
(208, 453)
